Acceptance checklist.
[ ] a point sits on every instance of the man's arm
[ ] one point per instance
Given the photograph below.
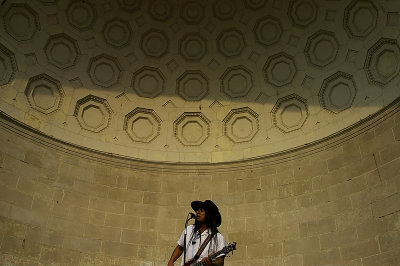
(175, 255)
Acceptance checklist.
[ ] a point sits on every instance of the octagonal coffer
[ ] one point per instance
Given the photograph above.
(192, 11)
(321, 48)
(142, 125)
(360, 18)
(8, 66)
(62, 51)
(192, 46)
(302, 13)
(338, 92)
(382, 63)
(241, 125)
(93, 113)
(225, 9)
(104, 70)
(268, 30)
(81, 15)
(21, 22)
(160, 10)
(192, 85)
(231, 42)
(44, 93)
(148, 82)
(117, 33)
(130, 5)
(254, 4)
(236, 81)
(280, 69)
(154, 43)
(290, 113)
(192, 128)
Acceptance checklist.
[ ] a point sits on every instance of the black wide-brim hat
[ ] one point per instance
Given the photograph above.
(209, 206)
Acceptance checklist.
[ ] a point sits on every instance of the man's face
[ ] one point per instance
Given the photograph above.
(201, 215)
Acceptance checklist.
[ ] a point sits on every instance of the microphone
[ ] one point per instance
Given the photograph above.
(192, 215)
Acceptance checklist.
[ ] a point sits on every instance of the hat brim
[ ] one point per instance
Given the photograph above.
(200, 204)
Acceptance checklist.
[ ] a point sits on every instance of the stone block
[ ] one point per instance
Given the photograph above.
(360, 249)
(96, 217)
(138, 237)
(293, 260)
(225, 198)
(8, 178)
(263, 222)
(390, 153)
(263, 250)
(390, 170)
(244, 184)
(279, 233)
(15, 197)
(75, 171)
(34, 158)
(260, 195)
(103, 233)
(301, 187)
(157, 224)
(65, 226)
(317, 227)
(389, 241)
(300, 246)
(122, 221)
(79, 214)
(285, 205)
(343, 159)
(338, 239)
(385, 258)
(11, 149)
(311, 169)
(95, 190)
(141, 210)
(106, 205)
(323, 257)
(386, 205)
(354, 169)
(353, 218)
(51, 256)
(42, 206)
(160, 199)
(126, 195)
(75, 199)
(145, 182)
(396, 132)
(380, 142)
(29, 186)
(247, 237)
(111, 180)
(26, 216)
(174, 184)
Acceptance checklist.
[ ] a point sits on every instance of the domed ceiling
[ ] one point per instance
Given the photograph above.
(197, 80)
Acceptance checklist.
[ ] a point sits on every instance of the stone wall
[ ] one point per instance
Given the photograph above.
(331, 203)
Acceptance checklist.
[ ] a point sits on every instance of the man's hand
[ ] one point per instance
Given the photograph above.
(206, 261)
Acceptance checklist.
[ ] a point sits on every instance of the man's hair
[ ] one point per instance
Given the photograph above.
(211, 225)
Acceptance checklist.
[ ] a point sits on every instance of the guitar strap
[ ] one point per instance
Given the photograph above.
(202, 247)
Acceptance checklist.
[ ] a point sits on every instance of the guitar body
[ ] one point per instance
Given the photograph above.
(225, 250)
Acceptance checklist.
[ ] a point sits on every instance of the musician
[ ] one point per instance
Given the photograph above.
(208, 219)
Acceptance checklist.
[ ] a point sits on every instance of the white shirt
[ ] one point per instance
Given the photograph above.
(192, 248)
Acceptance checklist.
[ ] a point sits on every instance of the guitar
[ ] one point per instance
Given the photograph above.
(225, 250)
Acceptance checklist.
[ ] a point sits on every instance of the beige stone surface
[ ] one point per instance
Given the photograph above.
(337, 206)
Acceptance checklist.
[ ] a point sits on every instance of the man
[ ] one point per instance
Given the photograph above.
(207, 221)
